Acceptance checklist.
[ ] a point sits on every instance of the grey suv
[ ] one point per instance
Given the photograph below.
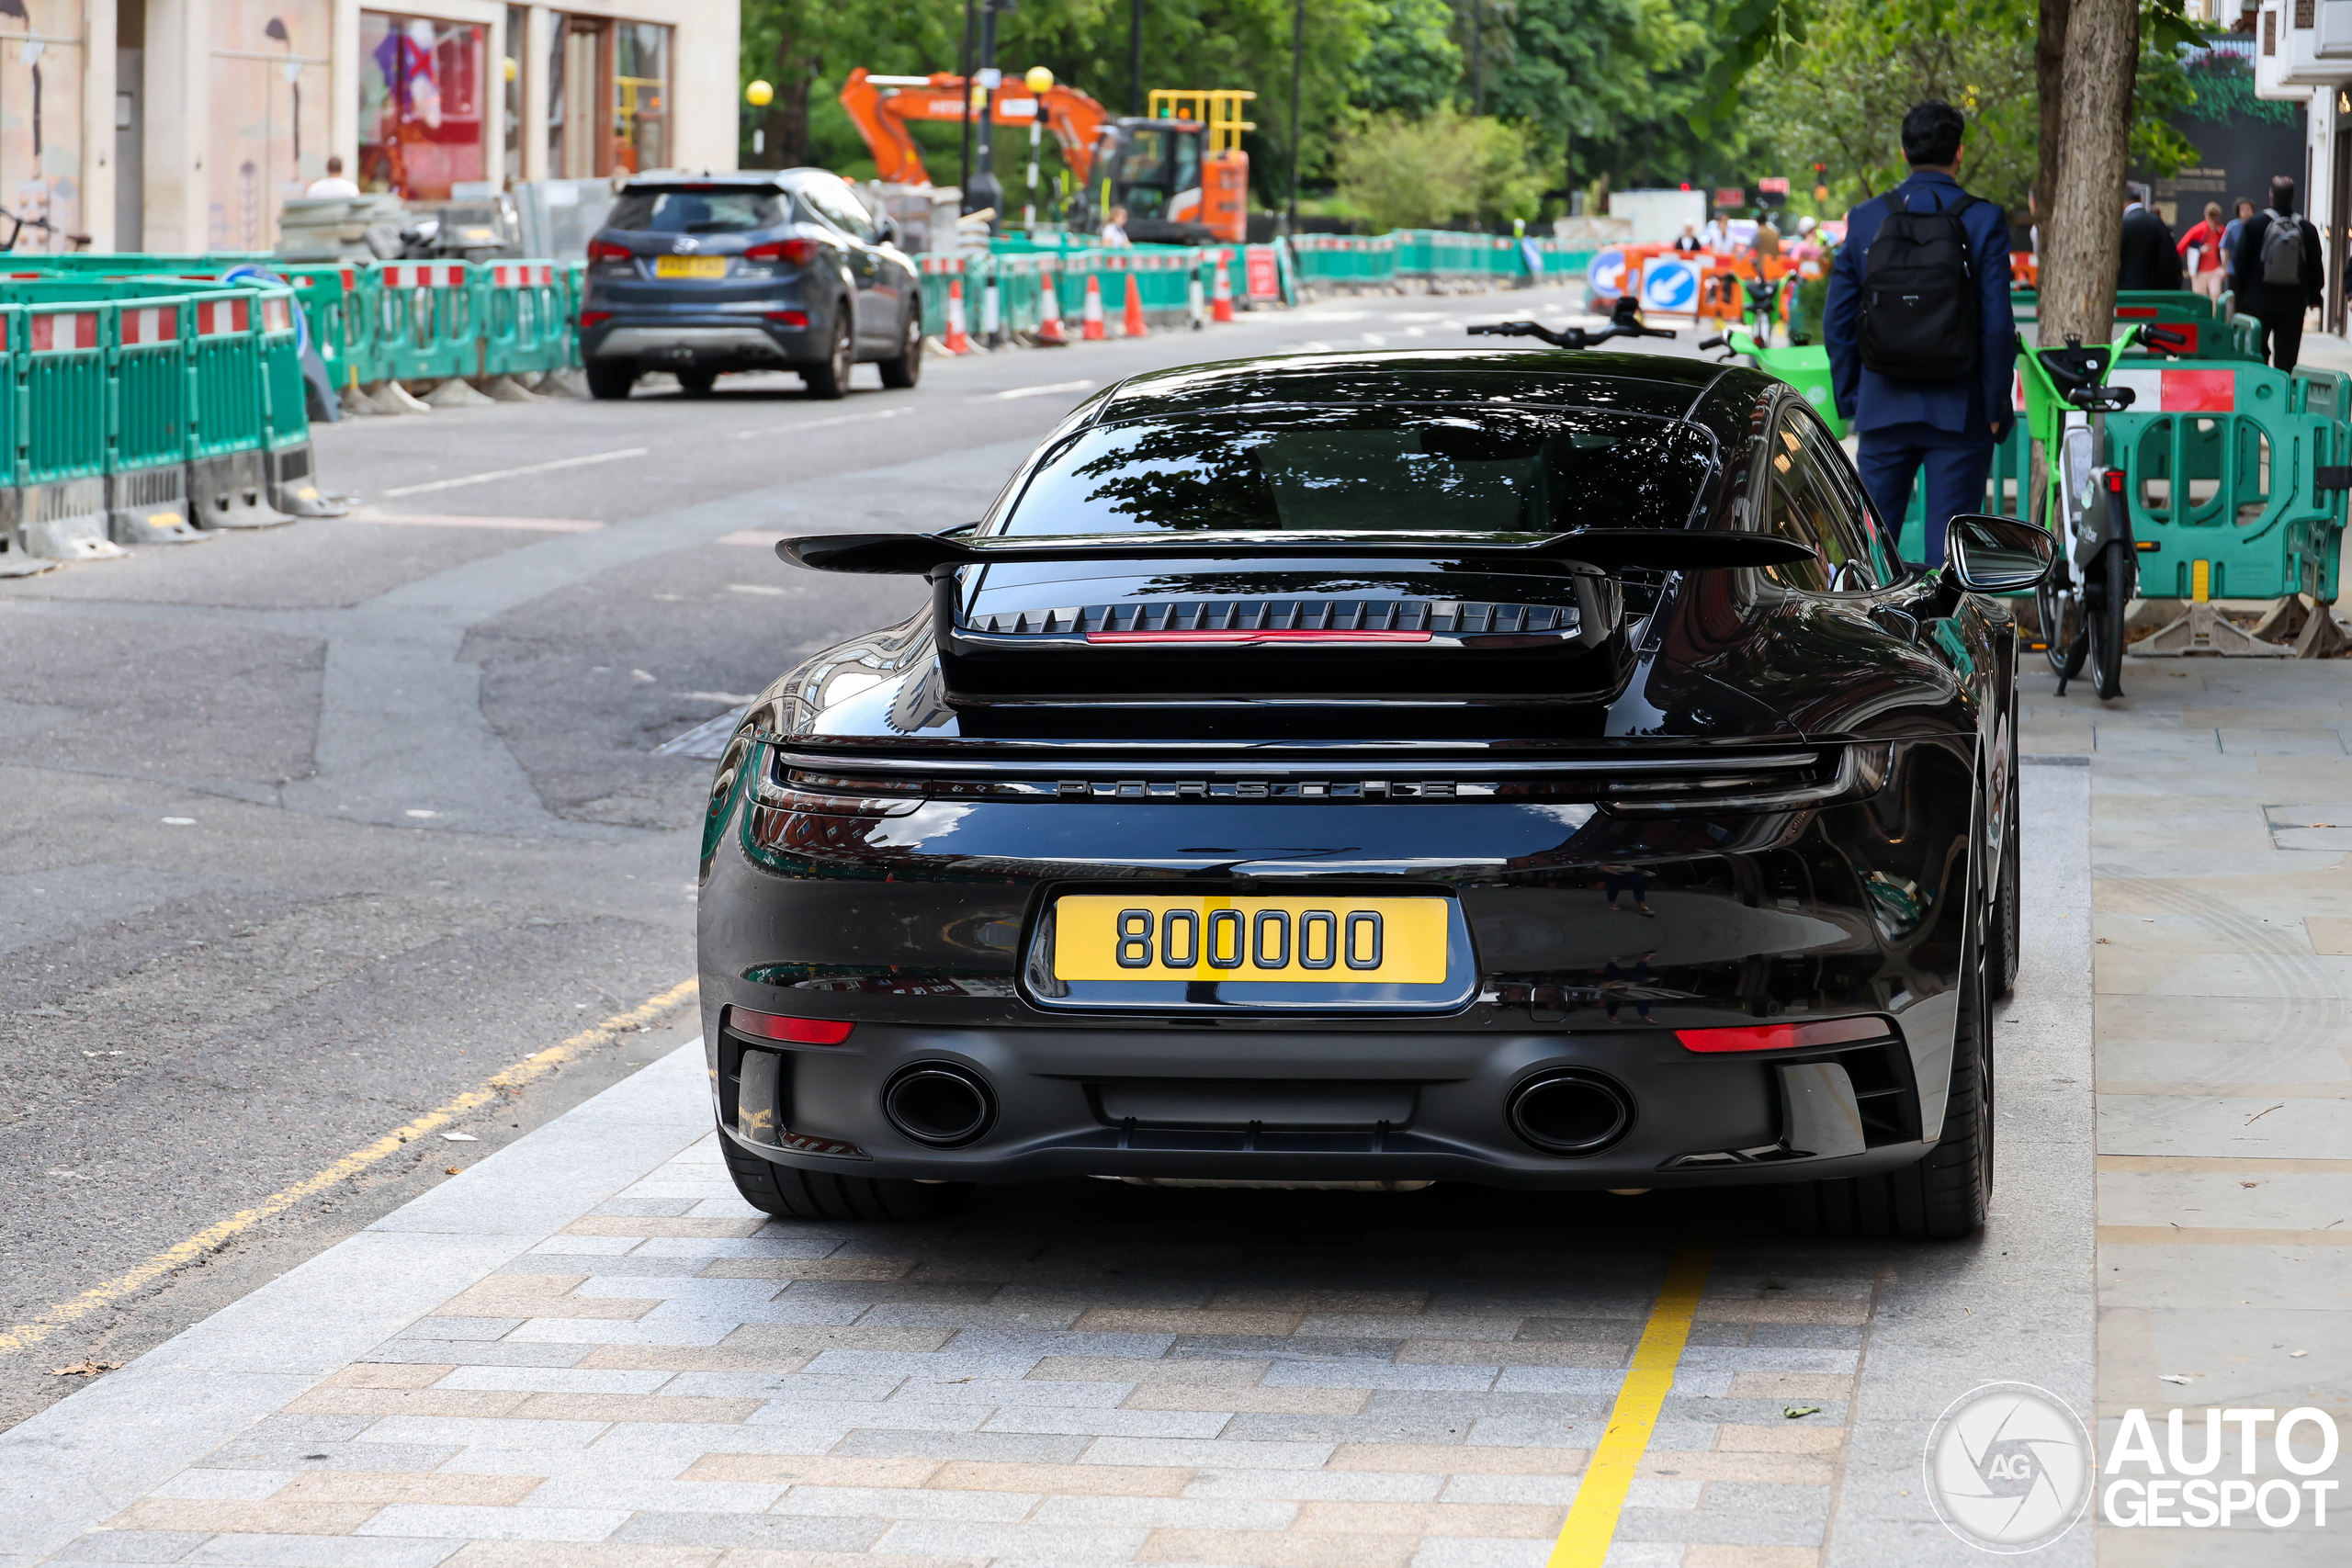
(702, 273)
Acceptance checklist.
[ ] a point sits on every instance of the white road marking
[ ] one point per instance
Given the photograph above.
(733, 699)
(819, 424)
(759, 539)
(753, 587)
(453, 520)
(1044, 392)
(496, 474)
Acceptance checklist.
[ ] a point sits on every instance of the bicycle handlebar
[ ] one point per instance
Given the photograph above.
(1624, 322)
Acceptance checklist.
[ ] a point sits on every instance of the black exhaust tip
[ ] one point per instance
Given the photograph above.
(939, 1103)
(1570, 1112)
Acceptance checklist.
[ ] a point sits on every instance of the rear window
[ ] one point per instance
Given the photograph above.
(696, 211)
(1488, 471)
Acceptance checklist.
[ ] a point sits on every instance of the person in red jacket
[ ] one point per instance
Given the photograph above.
(2205, 266)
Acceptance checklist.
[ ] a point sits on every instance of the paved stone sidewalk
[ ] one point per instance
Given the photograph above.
(586, 1350)
(2222, 815)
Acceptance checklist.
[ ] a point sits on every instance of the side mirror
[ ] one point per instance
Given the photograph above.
(1997, 555)
(886, 230)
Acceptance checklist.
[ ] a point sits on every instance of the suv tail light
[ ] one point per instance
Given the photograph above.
(792, 253)
(605, 250)
(1783, 1036)
(589, 319)
(797, 1030)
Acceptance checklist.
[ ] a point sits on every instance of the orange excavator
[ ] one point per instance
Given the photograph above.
(1179, 172)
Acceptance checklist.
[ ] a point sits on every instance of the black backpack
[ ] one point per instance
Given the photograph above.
(1919, 310)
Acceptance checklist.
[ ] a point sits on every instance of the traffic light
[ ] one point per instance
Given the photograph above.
(1821, 182)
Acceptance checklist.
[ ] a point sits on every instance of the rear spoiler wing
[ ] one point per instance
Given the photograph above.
(1606, 549)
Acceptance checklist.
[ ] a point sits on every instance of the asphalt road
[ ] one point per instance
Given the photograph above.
(309, 831)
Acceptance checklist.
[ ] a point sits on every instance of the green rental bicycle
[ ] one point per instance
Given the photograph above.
(2082, 501)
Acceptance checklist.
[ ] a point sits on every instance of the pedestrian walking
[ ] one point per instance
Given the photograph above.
(2201, 246)
(1921, 341)
(2150, 258)
(2230, 237)
(2279, 277)
(334, 184)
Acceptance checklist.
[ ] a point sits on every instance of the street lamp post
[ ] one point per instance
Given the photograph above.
(985, 191)
(1038, 80)
(1297, 53)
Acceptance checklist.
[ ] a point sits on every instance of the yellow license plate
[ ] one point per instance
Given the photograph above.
(1327, 940)
(690, 266)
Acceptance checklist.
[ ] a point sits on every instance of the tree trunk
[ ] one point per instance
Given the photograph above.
(2082, 235)
(787, 116)
(2049, 69)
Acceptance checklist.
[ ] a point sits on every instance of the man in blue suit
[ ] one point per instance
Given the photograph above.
(1948, 427)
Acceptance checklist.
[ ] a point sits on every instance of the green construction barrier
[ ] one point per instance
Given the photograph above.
(57, 379)
(525, 319)
(338, 301)
(428, 320)
(2222, 463)
(1351, 260)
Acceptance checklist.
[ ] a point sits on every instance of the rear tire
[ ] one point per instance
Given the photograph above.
(831, 378)
(610, 383)
(790, 1194)
(1944, 1195)
(697, 383)
(903, 372)
(2104, 598)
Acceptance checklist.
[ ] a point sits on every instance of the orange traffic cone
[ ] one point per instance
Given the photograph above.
(1221, 292)
(1049, 331)
(1090, 322)
(957, 343)
(1134, 326)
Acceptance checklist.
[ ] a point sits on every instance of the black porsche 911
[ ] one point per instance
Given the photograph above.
(1526, 768)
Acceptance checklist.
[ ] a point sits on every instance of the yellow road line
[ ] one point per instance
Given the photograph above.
(1593, 1521)
(212, 1238)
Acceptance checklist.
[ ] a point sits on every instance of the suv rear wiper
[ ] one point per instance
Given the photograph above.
(1610, 549)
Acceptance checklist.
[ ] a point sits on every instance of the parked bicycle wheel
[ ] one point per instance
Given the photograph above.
(2061, 611)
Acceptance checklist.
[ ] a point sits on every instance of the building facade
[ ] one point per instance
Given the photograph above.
(2303, 54)
(183, 124)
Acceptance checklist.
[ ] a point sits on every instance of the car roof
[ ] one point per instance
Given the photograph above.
(747, 179)
(1656, 385)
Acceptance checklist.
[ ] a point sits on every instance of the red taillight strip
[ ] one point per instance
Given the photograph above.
(1240, 639)
(792, 1030)
(1785, 1036)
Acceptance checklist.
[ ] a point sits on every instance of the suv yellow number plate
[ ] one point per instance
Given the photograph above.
(690, 266)
(1327, 940)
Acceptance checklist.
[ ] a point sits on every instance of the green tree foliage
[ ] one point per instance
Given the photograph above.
(1840, 96)
(1443, 167)
(1411, 64)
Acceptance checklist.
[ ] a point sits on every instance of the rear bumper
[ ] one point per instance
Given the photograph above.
(657, 346)
(1401, 1106)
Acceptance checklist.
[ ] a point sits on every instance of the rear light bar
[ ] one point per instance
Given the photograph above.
(1246, 639)
(604, 250)
(791, 252)
(1785, 1036)
(593, 319)
(788, 317)
(792, 1030)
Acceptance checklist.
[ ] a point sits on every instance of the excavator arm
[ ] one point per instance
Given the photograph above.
(882, 107)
